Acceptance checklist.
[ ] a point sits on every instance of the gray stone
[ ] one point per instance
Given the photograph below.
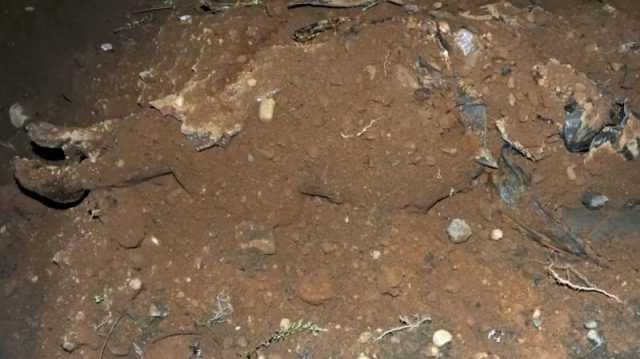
(441, 337)
(459, 231)
(594, 200)
(590, 324)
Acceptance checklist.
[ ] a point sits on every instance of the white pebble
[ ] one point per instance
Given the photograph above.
(267, 109)
(441, 337)
(375, 255)
(17, 115)
(285, 322)
(106, 47)
(365, 337)
(135, 284)
(591, 324)
(497, 234)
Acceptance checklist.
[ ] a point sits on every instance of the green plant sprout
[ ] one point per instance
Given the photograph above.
(99, 298)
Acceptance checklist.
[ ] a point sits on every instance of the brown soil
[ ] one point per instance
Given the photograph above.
(304, 217)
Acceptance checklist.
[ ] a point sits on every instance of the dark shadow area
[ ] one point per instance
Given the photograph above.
(49, 203)
(49, 154)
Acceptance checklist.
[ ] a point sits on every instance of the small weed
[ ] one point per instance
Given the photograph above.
(98, 298)
(284, 333)
(222, 312)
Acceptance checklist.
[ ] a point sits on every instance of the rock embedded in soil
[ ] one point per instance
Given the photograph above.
(441, 337)
(459, 231)
(594, 200)
(365, 337)
(496, 234)
(590, 324)
(315, 289)
(267, 109)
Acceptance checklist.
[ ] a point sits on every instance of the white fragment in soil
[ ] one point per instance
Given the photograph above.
(590, 324)
(106, 47)
(365, 337)
(465, 41)
(267, 109)
(17, 116)
(376, 255)
(594, 337)
(34, 279)
(363, 356)
(285, 322)
(29, 8)
(184, 17)
(252, 82)
(68, 345)
(536, 314)
(155, 240)
(497, 234)
(537, 323)
(135, 284)
(459, 231)
(432, 351)
(441, 337)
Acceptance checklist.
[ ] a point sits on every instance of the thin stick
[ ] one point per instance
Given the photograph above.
(580, 288)
(408, 326)
(153, 9)
(362, 131)
(386, 62)
(106, 340)
(171, 335)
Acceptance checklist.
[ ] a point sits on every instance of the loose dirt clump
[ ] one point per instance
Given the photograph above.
(262, 181)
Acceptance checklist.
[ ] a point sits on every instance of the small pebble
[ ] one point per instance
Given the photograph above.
(459, 231)
(365, 337)
(536, 314)
(496, 234)
(267, 109)
(252, 82)
(571, 173)
(537, 323)
(135, 284)
(590, 324)
(106, 47)
(441, 337)
(616, 66)
(285, 322)
(594, 337)
(594, 200)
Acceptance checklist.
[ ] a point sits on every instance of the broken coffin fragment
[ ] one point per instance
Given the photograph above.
(513, 185)
(474, 110)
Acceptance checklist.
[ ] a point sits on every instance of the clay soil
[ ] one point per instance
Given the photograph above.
(336, 211)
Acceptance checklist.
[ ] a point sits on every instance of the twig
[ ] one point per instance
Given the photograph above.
(153, 9)
(386, 62)
(106, 340)
(577, 287)
(362, 131)
(408, 325)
